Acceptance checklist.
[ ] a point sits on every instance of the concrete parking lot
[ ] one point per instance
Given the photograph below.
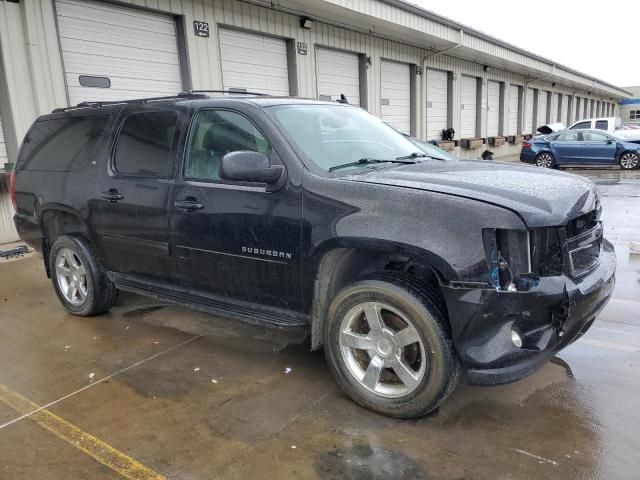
(157, 391)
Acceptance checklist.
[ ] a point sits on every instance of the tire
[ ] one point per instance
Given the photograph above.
(405, 306)
(629, 160)
(545, 160)
(74, 267)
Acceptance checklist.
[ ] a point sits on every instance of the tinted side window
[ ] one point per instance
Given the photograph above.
(581, 126)
(63, 145)
(144, 144)
(594, 137)
(216, 133)
(602, 125)
(568, 137)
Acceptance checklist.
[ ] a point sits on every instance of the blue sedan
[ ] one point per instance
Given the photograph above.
(584, 148)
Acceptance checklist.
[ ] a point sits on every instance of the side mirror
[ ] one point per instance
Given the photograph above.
(609, 141)
(247, 166)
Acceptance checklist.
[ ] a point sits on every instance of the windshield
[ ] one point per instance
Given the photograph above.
(431, 150)
(333, 135)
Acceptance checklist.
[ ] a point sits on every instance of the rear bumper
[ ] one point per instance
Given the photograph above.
(29, 230)
(527, 156)
(548, 318)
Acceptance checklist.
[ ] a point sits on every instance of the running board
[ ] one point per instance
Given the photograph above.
(238, 310)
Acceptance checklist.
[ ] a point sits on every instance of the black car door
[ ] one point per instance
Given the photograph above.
(234, 240)
(129, 214)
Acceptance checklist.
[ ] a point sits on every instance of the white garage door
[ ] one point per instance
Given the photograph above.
(578, 106)
(253, 62)
(586, 108)
(557, 107)
(338, 73)
(3, 147)
(528, 114)
(565, 110)
(514, 111)
(468, 107)
(395, 95)
(493, 109)
(543, 99)
(437, 103)
(136, 50)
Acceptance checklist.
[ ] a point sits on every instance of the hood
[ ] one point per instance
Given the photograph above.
(539, 196)
(551, 128)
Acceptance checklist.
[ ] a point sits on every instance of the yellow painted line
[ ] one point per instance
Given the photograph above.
(92, 446)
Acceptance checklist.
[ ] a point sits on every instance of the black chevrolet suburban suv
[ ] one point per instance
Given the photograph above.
(408, 268)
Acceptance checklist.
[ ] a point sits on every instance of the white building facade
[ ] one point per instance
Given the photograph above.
(419, 72)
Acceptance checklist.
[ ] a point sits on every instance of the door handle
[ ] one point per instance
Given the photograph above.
(112, 195)
(189, 204)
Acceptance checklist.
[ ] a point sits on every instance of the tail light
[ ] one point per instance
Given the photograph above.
(526, 145)
(12, 189)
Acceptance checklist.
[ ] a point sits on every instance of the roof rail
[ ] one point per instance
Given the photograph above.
(230, 92)
(98, 104)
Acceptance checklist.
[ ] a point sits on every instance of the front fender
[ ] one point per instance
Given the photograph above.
(445, 228)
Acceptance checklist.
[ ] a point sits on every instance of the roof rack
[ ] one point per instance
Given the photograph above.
(185, 94)
(230, 92)
(98, 104)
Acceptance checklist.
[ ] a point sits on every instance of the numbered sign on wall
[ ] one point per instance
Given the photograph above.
(201, 29)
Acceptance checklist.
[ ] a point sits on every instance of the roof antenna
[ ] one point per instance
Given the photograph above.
(343, 99)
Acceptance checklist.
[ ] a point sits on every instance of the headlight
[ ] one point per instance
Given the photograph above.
(509, 256)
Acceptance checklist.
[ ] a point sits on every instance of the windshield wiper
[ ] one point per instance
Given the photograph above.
(367, 160)
(414, 155)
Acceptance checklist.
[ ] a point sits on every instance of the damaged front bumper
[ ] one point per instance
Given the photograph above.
(546, 318)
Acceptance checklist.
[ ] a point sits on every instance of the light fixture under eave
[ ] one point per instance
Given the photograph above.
(306, 23)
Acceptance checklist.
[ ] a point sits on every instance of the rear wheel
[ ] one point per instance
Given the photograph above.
(629, 160)
(79, 280)
(545, 160)
(387, 344)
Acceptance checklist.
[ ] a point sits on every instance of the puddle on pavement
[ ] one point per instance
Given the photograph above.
(366, 462)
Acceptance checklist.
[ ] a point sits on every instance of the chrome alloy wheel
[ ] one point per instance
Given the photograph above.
(71, 276)
(629, 161)
(544, 160)
(382, 349)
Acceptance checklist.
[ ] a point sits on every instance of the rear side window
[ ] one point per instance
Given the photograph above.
(68, 144)
(581, 126)
(602, 125)
(145, 144)
(568, 137)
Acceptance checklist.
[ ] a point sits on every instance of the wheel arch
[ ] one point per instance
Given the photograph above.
(342, 261)
(58, 220)
(628, 150)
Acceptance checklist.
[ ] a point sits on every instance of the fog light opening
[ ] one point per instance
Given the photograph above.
(516, 339)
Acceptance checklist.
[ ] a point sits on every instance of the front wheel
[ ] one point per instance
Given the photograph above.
(388, 346)
(545, 160)
(629, 160)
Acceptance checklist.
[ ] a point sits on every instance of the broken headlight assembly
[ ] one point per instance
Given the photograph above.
(509, 257)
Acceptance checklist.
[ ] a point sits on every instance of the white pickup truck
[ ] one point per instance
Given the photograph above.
(630, 133)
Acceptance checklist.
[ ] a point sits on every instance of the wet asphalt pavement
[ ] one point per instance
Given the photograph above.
(153, 391)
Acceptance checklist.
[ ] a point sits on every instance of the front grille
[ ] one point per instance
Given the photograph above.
(573, 249)
(583, 251)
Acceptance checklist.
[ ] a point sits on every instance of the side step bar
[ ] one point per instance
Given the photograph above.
(237, 310)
